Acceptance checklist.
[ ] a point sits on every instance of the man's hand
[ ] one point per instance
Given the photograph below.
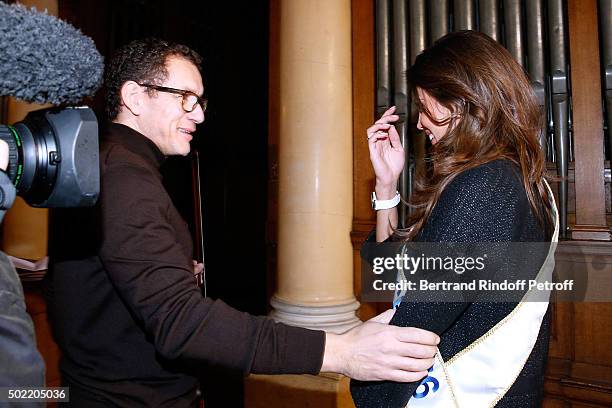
(197, 267)
(375, 351)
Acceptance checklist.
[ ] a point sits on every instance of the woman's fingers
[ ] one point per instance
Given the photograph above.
(388, 119)
(389, 111)
(388, 116)
(394, 138)
(381, 127)
(378, 130)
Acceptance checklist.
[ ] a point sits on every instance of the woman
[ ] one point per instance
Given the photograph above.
(485, 183)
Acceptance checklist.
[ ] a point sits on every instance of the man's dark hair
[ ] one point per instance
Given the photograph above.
(142, 61)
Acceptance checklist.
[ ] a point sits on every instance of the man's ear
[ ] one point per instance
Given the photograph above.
(132, 97)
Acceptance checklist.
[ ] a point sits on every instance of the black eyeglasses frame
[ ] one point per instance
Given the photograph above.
(203, 102)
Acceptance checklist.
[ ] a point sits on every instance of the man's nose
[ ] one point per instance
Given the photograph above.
(197, 115)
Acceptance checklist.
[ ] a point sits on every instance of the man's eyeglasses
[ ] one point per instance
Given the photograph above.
(189, 99)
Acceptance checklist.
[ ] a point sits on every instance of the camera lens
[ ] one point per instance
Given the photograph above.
(53, 157)
(15, 167)
(31, 146)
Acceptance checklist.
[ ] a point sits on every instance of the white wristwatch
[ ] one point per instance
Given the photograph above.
(385, 204)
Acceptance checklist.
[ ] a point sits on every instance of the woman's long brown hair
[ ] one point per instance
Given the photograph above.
(494, 116)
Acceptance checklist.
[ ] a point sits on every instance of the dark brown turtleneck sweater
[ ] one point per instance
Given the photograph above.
(125, 308)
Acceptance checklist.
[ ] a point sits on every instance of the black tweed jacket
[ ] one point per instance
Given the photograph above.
(484, 204)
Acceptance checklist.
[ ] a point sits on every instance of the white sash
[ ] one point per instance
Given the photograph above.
(481, 374)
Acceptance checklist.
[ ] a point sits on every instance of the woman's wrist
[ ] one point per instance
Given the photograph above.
(385, 192)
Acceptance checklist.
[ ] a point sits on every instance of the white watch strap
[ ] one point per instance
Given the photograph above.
(384, 204)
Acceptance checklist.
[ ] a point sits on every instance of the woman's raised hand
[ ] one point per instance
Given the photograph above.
(386, 151)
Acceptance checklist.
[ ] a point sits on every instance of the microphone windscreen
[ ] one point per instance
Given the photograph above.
(44, 59)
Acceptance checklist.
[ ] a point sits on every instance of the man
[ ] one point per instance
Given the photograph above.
(128, 315)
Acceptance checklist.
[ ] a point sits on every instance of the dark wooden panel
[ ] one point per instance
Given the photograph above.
(593, 329)
(362, 19)
(363, 105)
(562, 332)
(587, 120)
(579, 372)
(274, 114)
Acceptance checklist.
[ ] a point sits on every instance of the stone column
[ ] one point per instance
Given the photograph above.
(315, 264)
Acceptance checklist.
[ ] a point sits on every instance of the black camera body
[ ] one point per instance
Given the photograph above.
(53, 157)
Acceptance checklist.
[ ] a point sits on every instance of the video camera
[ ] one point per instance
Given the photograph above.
(53, 153)
(53, 157)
